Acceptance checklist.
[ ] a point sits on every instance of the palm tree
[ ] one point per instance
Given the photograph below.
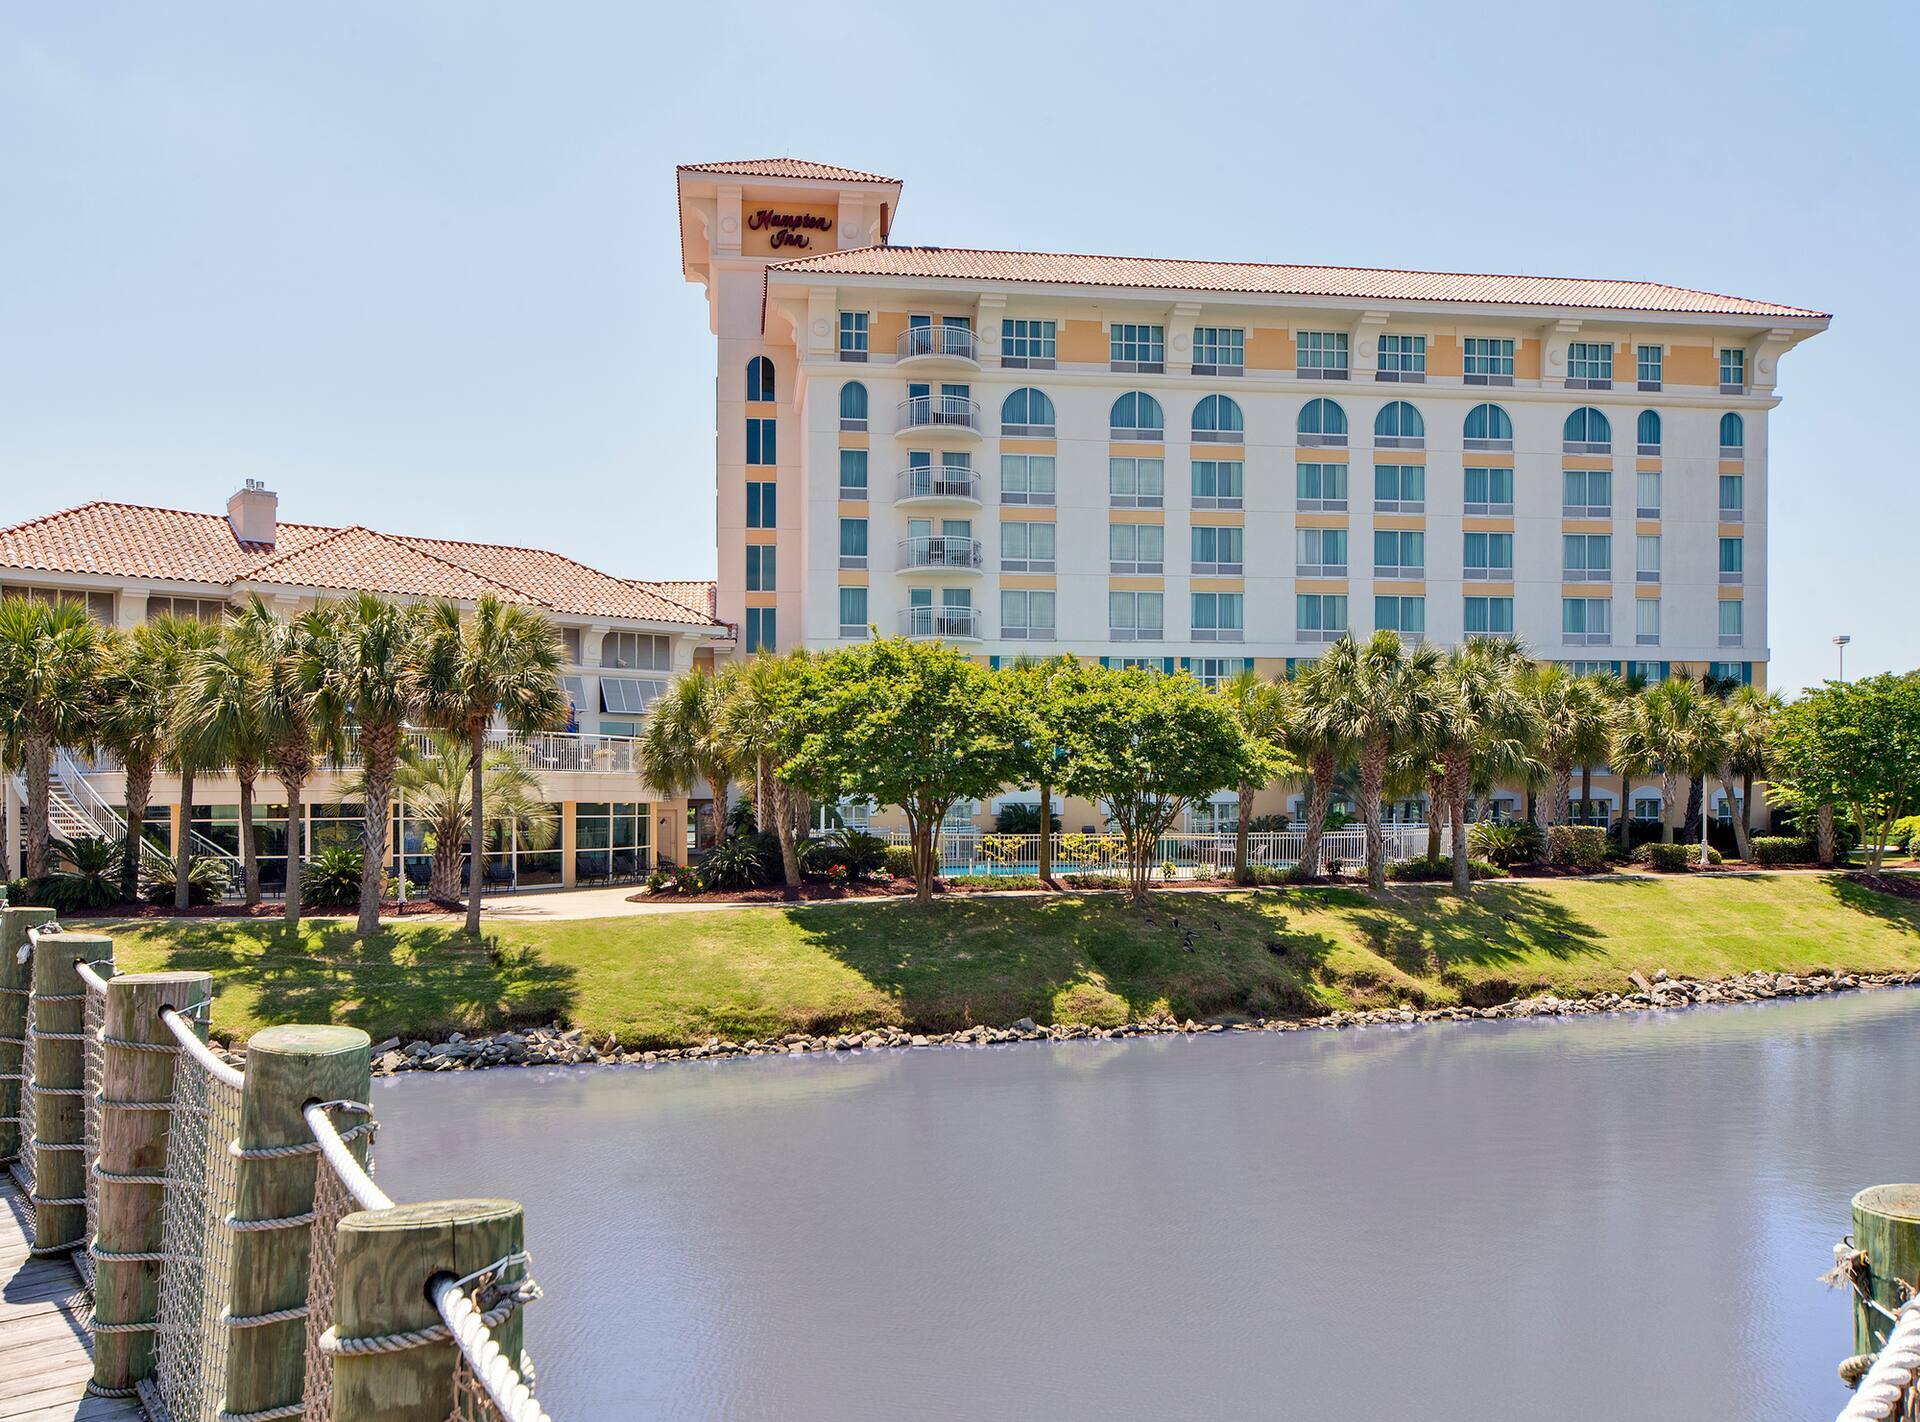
(217, 720)
(1318, 739)
(1633, 749)
(1483, 729)
(49, 654)
(1592, 727)
(1749, 721)
(1687, 734)
(438, 787)
(291, 669)
(1382, 694)
(188, 753)
(138, 673)
(370, 679)
(1557, 716)
(502, 661)
(753, 719)
(685, 743)
(1260, 706)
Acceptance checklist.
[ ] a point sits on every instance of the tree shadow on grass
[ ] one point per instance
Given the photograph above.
(1436, 934)
(1901, 914)
(427, 980)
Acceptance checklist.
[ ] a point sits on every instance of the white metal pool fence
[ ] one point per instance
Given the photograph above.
(1178, 856)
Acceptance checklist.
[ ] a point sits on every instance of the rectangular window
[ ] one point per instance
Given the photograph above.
(636, 650)
(1217, 551)
(1588, 493)
(1320, 553)
(1134, 548)
(853, 474)
(1027, 344)
(1142, 348)
(1217, 484)
(99, 606)
(1321, 488)
(1646, 558)
(1489, 617)
(1026, 614)
(853, 543)
(760, 630)
(1488, 557)
(1489, 491)
(1586, 621)
(1219, 350)
(1647, 367)
(1399, 488)
(1405, 615)
(1733, 371)
(1218, 617)
(762, 504)
(1320, 617)
(1646, 494)
(1590, 365)
(1733, 497)
(1646, 621)
(1733, 560)
(1587, 557)
(1733, 622)
(760, 567)
(1136, 616)
(1488, 361)
(760, 443)
(853, 612)
(1026, 479)
(1210, 672)
(1137, 483)
(853, 335)
(1322, 355)
(1026, 547)
(1399, 553)
(1402, 358)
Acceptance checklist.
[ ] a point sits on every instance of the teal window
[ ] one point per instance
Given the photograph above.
(762, 504)
(1647, 432)
(1321, 487)
(1733, 370)
(1733, 494)
(1489, 616)
(1136, 616)
(853, 543)
(1218, 617)
(1133, 347)
(1026, 546)
(1489, 491)
(1733, 435)
(1217, 484)
(1487, 556)
(1217, 418)
(1219, 350)
(1137, 416)
(1027, 412)
(1648, 366)
(853, 474)
(1399, 553)
(1026, 613)
(1488, 357)
(759, 378)
(1026, 479)
(1405, 615)
(853, 612)
(760, 443)
(1587, 617)
(761, 565)
(1399, 488)
(1589, 365)
(1218, 550)
(853, 335)
(760, 631)
(1322, 353)
(1320, 552)
(1733, 559)
(1587, 493)
(853, 406)
(1322, 422)
(1027, 343)
(1587, 431)
(1403, 355)
(1741, 672)
(1487, 427)
(1136, 483)
(1399, 426)
(1646, 493)
(1732, 620)
(1136, 548)
(1587, 555)
(1320, 617)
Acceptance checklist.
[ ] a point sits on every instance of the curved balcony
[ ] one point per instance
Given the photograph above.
(952, 624)
(939, 347)
(940, 553)
(951, 417)
(936, 484)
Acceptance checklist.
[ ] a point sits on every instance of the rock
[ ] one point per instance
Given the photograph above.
(1659, 975)
(1025, 1024)
(380, 1049)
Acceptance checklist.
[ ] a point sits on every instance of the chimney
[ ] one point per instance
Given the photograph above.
(254, 513)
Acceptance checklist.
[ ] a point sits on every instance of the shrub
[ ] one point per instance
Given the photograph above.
(1577, 846)
(1440, 867)
(865, 854)
(1781, 849)
(208, 881)
(1090, 1005)
(1269, 824)
(1673, 858)
(674, 879)
(1004, 848)
(1025, 819)
(1098, 881)
(1504, 842)
(897, 860)
(747, 861)
(994, 881)
(86, 875)
(330, 879)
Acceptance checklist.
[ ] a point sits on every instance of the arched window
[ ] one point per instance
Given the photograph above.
(1136, 415)
(1733, 436)
(1027, 412)
(1487, 427)
(1587, 432)
(1399, 426)
(1323, 424)
(1647, 432)
(853, 406)
(1217, 420)
(759, 378)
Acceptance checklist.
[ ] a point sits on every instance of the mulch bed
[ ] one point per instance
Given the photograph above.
(1901, 886)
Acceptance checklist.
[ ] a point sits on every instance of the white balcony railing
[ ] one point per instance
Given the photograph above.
(940, 551)
(947, 342)
(940, 412)
(940, 481)
(955, 622)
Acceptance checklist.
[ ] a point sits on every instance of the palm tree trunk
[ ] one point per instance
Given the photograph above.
(1746, 805)
(1669, 796)
(783, 828)
(39, 767)
(1825, 846)
(1045, 864)
(1462, 862)
(1626, 808)
(1373, 781)
(249, 855)
(293, 787)
(1739, 820)
(139, 790)
(380, 750)
(1319, 796)
(1703, 832)
(764, 801)
(477, 828)
(1240, 833)
(183, 842)
(1438, 799)
(1586, 792)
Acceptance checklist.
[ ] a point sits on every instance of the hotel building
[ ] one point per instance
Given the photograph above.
(1210, 465)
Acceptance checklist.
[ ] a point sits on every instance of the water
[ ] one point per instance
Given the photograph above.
(1616, 1218)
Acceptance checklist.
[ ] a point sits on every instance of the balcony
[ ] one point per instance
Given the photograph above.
(936, 484)
(940, 553)
(953, 624)
(952, 416)
(945, 347)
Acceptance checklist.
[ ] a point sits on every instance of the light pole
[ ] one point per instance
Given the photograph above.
(1840, 643)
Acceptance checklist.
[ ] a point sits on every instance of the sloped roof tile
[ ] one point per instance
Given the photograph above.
(785, 168)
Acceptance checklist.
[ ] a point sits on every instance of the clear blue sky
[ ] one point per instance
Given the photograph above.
(415, 264)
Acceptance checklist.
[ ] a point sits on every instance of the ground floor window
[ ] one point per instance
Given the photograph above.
(1646, 809)
(611, 840)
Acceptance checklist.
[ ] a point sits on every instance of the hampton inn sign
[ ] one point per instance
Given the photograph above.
(788, 229)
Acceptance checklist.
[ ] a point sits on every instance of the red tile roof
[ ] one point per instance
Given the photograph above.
(785, 168)
(176, 545)
(1265, 279)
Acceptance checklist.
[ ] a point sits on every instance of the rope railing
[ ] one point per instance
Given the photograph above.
(483, 1375)
(94, 1025)
(1887, 1390)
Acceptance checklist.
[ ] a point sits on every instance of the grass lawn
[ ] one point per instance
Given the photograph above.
(673, 979)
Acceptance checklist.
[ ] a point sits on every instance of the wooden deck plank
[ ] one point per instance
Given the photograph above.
(46, 1355)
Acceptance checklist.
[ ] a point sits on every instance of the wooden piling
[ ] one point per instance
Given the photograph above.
(287, 1068)
(16, 979)
(1886, 1228)
(59, 1079)
(134, 1122)
(385, 1259)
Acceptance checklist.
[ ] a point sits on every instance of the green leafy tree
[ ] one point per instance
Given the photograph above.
(1148, 746)
(1483, 729)
(139, 670)
(758, 701)
(291, 669)
(1319, 741)
(1592, 729)
(220, 721)
(913, 724)
(685, 742)
(1749, 721)
(1035, 692)
(1855, 746)
(1382, 693)
(49, 654)
(502, 660)
(1261, 709)
(189, 752)
(1686, 734)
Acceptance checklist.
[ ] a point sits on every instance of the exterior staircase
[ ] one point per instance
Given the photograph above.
(76, 810)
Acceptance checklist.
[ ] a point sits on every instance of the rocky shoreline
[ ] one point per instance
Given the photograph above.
(557, 1046)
